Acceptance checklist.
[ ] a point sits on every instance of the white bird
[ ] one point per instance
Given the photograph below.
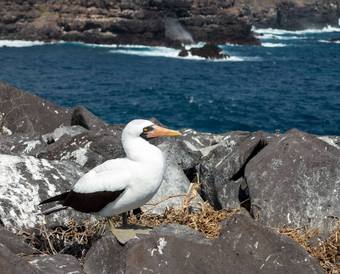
(120, 185)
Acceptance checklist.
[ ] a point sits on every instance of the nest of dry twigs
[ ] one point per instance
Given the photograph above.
(76, 239)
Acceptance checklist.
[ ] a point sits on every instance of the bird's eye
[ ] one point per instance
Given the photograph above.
(146, 129)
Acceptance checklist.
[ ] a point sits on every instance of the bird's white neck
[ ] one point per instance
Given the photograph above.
(138, 149)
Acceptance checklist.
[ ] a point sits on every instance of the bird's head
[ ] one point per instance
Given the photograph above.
(147, 130)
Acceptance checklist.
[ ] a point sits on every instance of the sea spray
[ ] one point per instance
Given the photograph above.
(175, 31)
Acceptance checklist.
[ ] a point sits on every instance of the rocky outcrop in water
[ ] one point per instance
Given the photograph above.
(280, 179)
(208, 51)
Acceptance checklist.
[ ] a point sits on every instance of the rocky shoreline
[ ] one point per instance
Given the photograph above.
(281, 180)
(159, 23)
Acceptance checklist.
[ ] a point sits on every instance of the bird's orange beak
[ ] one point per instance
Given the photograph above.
(161, 131)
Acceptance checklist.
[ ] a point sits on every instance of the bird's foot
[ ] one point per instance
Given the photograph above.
(127, 232)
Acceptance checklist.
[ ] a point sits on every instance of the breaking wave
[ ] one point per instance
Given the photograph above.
(270, 31)
(273, 45)
(20, 43)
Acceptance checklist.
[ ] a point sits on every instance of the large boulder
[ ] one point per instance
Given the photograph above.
(295, 181)
(10, 263)
(222, 170)
(23, 112)
(244, 246)
(25, 181)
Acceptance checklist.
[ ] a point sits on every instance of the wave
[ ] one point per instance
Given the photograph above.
(163, 52)
(138, 50)
(273, 45)
(271, 31)
(266, 36)
(20, 43)
(328, 41)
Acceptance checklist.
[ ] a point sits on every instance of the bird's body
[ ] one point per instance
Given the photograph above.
(123, 184)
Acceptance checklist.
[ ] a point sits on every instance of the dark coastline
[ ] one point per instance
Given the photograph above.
(158, 23)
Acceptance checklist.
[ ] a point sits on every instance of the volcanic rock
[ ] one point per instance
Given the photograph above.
(292, 15)
(178, 249)
(222, 170)
(209, 51)
(168, 22)
(25, 181)
(295, 181)
(21, 112)
(335, 40)
(10, 263)
(56, 264)
(15, 243)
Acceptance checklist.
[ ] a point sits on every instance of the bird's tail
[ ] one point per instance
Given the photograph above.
(60, 199)
(53, 209)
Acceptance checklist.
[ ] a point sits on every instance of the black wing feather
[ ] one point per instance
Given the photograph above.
(59, 198)
(90, 202)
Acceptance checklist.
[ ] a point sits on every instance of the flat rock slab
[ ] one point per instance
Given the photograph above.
(178, 249)
(295, 181)
(57, 264)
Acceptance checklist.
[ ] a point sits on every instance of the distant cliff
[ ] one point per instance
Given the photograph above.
(289, 14)
(158, 22)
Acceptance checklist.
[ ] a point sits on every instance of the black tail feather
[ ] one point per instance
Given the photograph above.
(59, 198)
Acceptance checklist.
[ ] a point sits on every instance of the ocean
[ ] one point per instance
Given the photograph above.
(291, 81)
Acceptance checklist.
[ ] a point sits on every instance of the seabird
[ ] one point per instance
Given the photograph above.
(120, 185)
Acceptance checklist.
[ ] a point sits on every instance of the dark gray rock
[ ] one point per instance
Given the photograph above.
(37, 145)
(71, 131)
(68, 143)
(10, 263)
(320, 238)
(209, 51)
(107, 255)
(22, 112)
(295, 181)
(82, 117)
(221, 170)
(244, 246)
(267, 250)
(15, 243)
(87, 149)
(57, 264)
(21, 143)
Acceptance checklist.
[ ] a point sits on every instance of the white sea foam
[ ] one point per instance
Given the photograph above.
(20, 43)
(328, 41)
(267, 36)
(270, 31)
(273, 45)
(162, 52)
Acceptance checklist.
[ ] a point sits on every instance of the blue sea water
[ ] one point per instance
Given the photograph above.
(291, 81)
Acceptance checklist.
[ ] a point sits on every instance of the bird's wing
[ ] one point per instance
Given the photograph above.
(113, 175)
